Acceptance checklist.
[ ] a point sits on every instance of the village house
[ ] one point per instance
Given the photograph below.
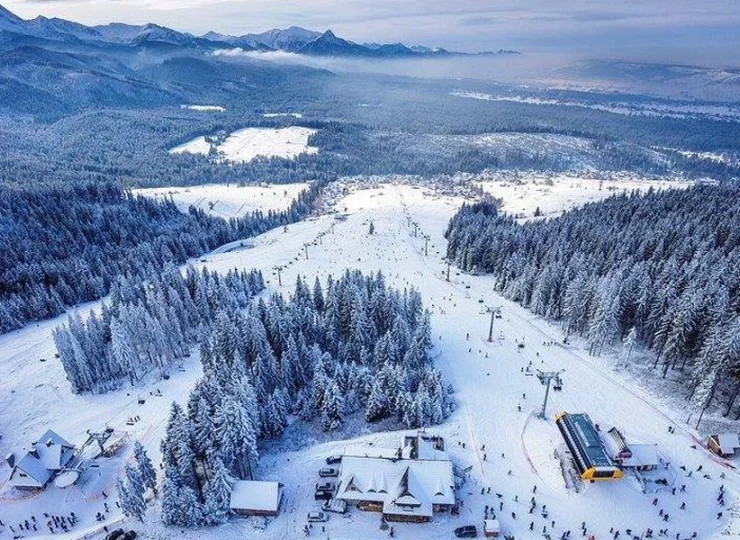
(407, 483)
(41, 462)
(724, 444)
(256, 498)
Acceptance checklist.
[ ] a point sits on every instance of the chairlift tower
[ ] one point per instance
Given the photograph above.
(546, 377)
(492, 310)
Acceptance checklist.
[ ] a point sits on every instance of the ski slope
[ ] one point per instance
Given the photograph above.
(230, 200)
(489, 386)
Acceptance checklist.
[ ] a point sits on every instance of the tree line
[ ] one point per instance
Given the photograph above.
(351, 347)
(661, 269)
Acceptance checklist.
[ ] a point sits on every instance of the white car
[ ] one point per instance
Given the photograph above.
(317, 517)
(328, 472)
(338, 506)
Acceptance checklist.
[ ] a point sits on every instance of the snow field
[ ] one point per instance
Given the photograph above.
(244, 145)
(660, 109)
(199, 145)
(204, 108)
(553, 194)
(230, 200)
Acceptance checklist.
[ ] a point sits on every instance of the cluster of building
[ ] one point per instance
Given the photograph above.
(409, 482)
(51, 458)
(603, 455)
(41, 462)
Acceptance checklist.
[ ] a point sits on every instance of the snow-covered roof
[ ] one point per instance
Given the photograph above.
(491, 526)
(423, 447)
(403, 486)
(50, 453)
(29, 472)
(370, 452)
(255, 496)
(728, 442)
(643, 455)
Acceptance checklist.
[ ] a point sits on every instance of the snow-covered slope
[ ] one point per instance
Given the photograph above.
(229, 201)
(488, 377)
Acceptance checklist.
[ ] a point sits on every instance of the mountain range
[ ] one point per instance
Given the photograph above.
(294, 39)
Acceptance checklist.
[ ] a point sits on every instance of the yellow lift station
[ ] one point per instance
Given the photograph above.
(587, 448)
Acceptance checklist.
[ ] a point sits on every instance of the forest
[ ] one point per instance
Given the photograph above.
(659, 269)
(67, 244)
(147, 325)
(351, 347)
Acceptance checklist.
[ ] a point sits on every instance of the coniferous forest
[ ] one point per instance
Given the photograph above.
(351, 347)
(661, 269)
(147, 325)
(66, 244)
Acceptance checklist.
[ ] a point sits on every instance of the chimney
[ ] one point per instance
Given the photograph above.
(10, 460)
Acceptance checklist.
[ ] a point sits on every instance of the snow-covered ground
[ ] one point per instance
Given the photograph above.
(282, 114)
(199, 145)
(204, 108)
(662, 109)
(229, 200)
(246, 144)
(523, 193)
(489, 386)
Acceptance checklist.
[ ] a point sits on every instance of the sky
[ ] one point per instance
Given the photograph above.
(703, 32)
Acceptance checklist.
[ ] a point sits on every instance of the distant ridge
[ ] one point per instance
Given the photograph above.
(294, 39)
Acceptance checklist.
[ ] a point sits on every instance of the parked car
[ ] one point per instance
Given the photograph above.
(131, 535)
(322, 495)
(325, 486)
(115, 535)
(317, 517)
(332, 460)
(328, 472)
(468, 531)
(338, 506)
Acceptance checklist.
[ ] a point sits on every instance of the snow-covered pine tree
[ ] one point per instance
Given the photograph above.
(131, 493)
(217, 494)
(332, 411)
(145, 467)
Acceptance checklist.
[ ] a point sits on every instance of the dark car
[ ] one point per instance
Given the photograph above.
(131, 535)
(332, 460)
(323, 495)
(468, 531)
(115, 535)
